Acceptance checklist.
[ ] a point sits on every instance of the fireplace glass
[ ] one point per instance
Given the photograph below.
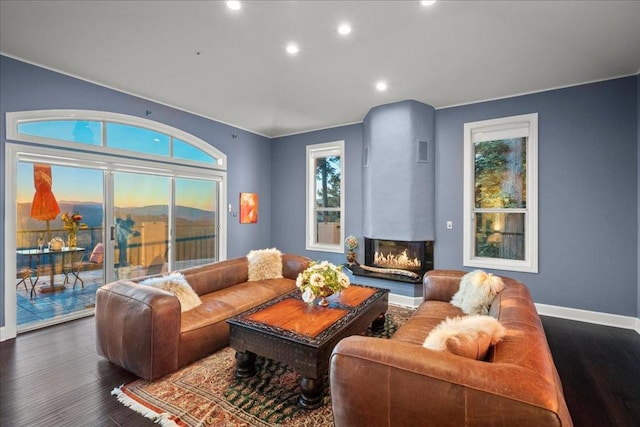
(415, 256)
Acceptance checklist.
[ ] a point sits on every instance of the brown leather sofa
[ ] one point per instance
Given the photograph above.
(398, 382)
(141, 328)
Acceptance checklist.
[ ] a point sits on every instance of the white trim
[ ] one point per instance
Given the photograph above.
(10, 315)
(317, 129)
(598, 318)
(13, 119)
(56, 320)
(5, 334)
(405, 301)
(533, 92)
(312, 152)
(497, 127)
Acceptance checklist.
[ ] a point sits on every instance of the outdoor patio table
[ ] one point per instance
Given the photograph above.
(38, 255)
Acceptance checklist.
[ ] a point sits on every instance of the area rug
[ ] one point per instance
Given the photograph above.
(207, 393)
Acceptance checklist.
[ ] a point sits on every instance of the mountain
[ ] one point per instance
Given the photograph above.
(182, 212)
(92, 214)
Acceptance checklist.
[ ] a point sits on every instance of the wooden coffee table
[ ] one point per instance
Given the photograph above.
(300, 335)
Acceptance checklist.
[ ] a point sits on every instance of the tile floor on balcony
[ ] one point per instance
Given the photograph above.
(46, 306)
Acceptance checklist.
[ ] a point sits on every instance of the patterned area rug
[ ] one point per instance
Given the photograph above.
(207, 393)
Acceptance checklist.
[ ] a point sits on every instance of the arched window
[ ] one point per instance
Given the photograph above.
(112, 133)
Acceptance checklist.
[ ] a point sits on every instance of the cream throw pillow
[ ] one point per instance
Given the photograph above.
(176, 284)
(477, 290)
(469, 336)
(265, 264)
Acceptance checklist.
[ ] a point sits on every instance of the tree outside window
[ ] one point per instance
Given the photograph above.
(501, 193)
(325, 197)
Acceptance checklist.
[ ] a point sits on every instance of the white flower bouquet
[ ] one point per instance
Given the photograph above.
(321, 280)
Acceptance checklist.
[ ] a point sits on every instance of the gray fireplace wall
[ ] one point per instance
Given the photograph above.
(398, 171)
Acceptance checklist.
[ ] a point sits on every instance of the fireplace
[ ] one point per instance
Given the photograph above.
(396, 260)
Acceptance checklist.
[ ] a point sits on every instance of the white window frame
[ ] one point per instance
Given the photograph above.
(335, 148)
(487, 130)
(14, 119)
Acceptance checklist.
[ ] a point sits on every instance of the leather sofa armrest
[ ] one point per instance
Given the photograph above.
(441, 285)
(292, 265)
(383, 382)
(138, 328)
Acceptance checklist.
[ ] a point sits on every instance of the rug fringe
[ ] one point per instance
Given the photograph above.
(160, 418)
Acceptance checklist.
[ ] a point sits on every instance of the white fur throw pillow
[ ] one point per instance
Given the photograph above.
(469, 336)
(477, 290)
(176, 284)
(265, 264)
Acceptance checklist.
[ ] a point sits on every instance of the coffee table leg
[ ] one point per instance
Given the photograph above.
(311, 396)
(245, 364)
(378, 324)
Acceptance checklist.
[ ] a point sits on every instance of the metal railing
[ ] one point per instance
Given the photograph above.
(194, 246)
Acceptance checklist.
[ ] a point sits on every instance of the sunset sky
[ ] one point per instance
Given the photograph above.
(86, 185)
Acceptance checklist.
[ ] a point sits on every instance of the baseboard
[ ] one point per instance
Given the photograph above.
(607, 319)
(404, 301)
(3, 334)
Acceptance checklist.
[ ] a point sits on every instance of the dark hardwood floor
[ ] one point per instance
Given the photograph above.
(600, 371)
(53, 377)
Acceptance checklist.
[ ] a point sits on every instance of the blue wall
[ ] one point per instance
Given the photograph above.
(27, 87)
(288, 189)
(588, 192)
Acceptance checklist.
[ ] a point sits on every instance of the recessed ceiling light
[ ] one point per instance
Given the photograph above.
(427, 2)
(233, 4)
(292, 49)
(381, 86)
(344, 29)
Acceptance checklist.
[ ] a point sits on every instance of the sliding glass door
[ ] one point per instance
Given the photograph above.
(155, 224)
(57, 277)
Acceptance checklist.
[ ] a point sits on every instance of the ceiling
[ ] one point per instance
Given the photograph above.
(231, 66)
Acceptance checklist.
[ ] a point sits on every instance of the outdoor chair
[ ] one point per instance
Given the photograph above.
(88, 262)
(24, 274)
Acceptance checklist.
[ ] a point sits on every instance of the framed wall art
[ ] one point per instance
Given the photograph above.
(248, 208)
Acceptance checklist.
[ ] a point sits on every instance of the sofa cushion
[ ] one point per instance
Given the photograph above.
(265, 264)
(220, 305)
(477, 290)
(176, 284)
(426, 317)
(468, 336)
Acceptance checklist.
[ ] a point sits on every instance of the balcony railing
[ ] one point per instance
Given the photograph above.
(195, 249)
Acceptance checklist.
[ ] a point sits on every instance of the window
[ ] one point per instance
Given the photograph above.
(325, 197)
(113, 133)
(500, 193)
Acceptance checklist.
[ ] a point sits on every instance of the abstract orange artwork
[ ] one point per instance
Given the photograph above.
(248, 208)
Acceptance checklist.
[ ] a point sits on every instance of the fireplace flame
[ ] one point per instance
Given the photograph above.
(400, 260)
